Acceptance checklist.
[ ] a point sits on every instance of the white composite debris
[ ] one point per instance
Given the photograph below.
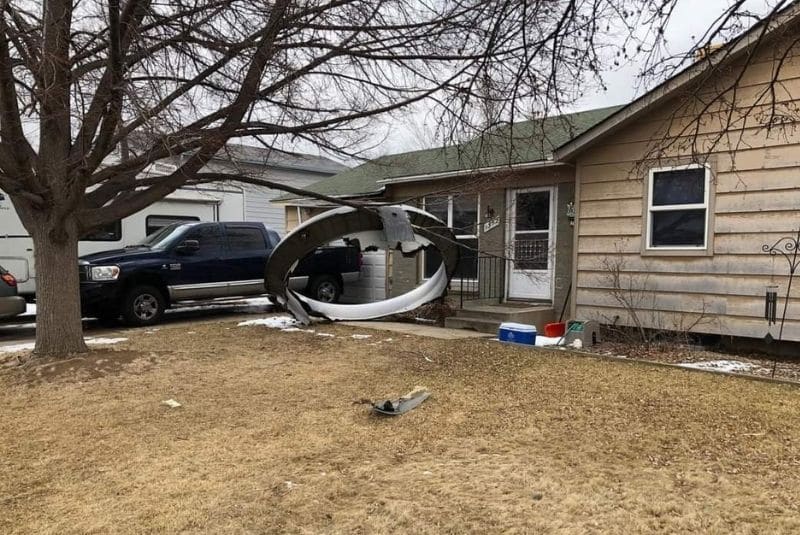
(273, 322)
(577, 344)
(328, 335)
(361, 336)
(30, 310)
(171, 403)
(720, 365)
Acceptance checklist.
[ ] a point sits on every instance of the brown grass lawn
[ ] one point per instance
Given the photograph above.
(271, 438)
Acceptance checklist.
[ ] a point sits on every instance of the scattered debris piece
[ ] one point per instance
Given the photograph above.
(577, 343)
(396, 407)
(171, 403)
(361, 336)
(328, 335)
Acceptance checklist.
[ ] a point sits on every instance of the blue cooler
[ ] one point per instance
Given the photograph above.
(517, 333)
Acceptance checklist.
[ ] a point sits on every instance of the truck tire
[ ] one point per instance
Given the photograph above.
(325, 288)
(143, 305)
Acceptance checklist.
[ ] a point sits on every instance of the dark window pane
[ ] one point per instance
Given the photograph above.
(685, 186)
(467, 267)
(465, 214)
(209, 238)
(154, 223)
(531, 252)
(245, 239)
(678, 228)
(432, 261)
(109, 232)
(437, 205)
(533, 210)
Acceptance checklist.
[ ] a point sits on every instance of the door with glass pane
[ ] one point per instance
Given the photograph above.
(531, 243)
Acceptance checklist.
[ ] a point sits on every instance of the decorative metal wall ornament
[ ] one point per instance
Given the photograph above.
(787, 247)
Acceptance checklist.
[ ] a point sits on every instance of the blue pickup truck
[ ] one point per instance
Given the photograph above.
(200, 261)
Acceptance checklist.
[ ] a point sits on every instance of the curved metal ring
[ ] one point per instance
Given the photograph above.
(367, 227)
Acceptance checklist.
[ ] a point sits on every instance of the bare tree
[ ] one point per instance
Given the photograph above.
(99, 79)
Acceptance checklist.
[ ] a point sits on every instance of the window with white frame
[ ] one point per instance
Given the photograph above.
(677, 208)
(460, 212)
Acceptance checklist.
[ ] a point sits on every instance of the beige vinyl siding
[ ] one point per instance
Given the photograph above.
(756, 201)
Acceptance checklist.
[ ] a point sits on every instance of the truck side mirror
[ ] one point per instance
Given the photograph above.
(188, 247)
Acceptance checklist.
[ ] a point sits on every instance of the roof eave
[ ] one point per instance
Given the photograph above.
(666, 89)
(463, 172)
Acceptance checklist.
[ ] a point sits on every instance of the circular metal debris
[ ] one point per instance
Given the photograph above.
(372, 229)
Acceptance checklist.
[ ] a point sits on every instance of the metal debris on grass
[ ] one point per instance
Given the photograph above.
(396, 407)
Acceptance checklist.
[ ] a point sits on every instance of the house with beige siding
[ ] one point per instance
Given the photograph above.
(678, 193)
(653, 215)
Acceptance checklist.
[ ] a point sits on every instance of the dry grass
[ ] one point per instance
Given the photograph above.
(269, 439)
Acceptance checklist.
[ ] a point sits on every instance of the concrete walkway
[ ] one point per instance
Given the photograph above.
(417, 329)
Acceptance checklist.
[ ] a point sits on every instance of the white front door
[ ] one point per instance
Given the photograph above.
(531, 243)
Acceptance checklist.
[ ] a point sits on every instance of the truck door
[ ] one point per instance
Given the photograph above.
(247, 255)
(200, 274)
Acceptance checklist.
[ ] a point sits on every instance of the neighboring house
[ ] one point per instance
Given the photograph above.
(292, 169)
(673, 197)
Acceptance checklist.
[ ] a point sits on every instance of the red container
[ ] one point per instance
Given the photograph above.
(552, 330)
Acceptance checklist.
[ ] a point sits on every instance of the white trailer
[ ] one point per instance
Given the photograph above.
(211, 202)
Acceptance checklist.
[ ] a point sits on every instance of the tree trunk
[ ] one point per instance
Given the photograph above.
(58, 305)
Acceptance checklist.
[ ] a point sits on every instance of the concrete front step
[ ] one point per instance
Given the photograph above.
(538, 315)
(489, 326)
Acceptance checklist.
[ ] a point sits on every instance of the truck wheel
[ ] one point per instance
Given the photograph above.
(144, 305)
(325, 288)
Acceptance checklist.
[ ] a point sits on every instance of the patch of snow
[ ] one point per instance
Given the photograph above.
(296, 330)
(543, 341)
(17, 347)
(105, 340)
(258, 301)
(361, 336)
(28, 346)
(273, 322)
(720, 365)
(18, 326)
(329, 335)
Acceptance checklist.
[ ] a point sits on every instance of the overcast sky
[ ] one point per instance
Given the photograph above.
(691, 18)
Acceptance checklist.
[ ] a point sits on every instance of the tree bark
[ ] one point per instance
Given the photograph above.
(58, 305)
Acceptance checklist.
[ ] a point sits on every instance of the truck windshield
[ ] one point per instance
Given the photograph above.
(163, 237)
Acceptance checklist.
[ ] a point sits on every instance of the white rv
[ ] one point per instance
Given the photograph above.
(208, 203)
(211, 202)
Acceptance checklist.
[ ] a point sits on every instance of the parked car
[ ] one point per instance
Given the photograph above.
(10, 303)
(198, 261)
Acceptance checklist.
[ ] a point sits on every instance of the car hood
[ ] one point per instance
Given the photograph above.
(117, 256)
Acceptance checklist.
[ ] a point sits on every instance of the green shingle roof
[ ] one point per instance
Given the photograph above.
(528, 141)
